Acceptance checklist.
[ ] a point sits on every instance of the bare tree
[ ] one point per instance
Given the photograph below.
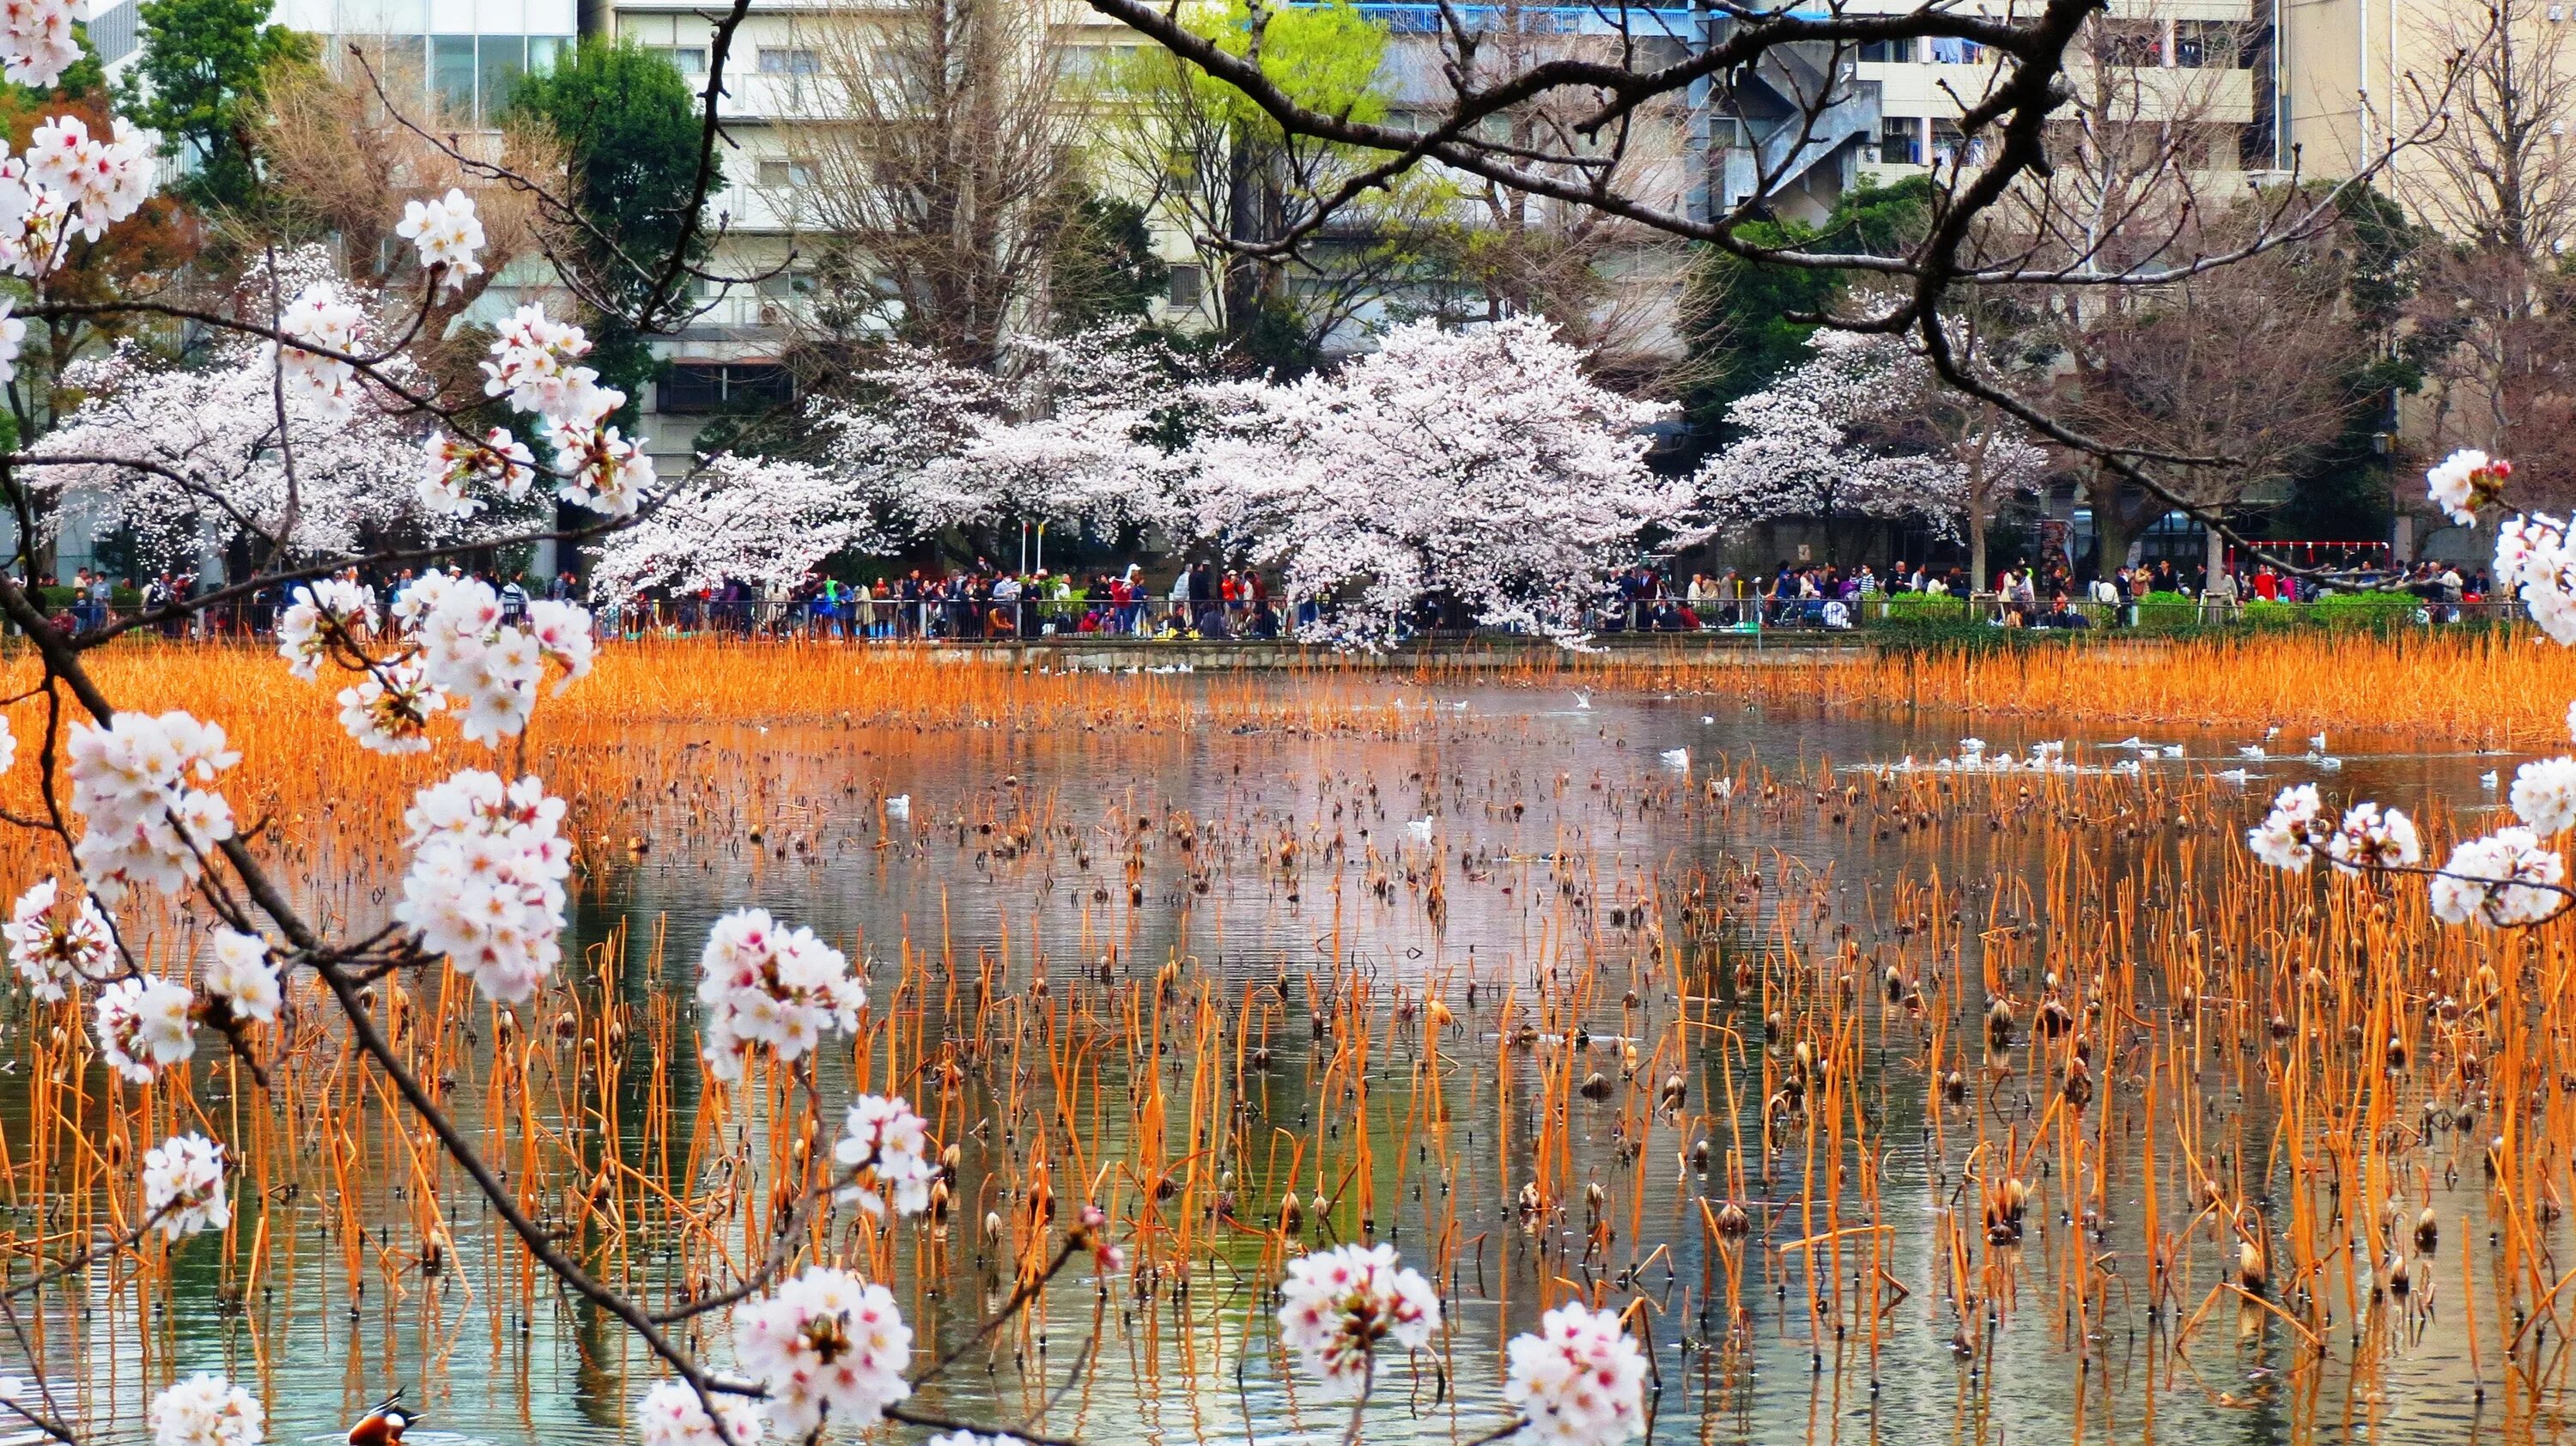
(2497, 184)
(944, 166)
(1213, 166)
(2016, 148)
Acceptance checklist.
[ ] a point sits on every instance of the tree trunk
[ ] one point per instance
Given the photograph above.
(1976, 549)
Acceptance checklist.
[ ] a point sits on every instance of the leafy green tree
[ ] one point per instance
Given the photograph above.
(1737, 313)
(630, 129)
(1219, 168)
(1103, 264)
(2344, 492)
(198, 84)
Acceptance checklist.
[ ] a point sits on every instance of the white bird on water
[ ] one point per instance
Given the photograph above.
(1582, 699)
(1418, 827)
(2487, 780)
(2317, 741)
(2250, 750)
(2272, 732)
(2233, 775)
(1677, 758)
(2173, 750)
(899, 806)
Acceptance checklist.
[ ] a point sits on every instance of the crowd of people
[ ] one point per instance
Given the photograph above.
(1205, 600)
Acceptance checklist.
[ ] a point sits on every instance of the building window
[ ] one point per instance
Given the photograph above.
(502, 59)
(789, 175)
(1189, 287)
(789, 61)
(1947, 51)
(688, 60)
(2133, 42)
(451, 77)
(1900, 141)
(1948, 144)
(1892, 51)
(2205, 45)
(113, 33)
(725, 387)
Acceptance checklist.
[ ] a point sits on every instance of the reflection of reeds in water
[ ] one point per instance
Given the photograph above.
(2064, 1062)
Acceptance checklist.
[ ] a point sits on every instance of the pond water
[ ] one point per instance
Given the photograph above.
(1240, 939)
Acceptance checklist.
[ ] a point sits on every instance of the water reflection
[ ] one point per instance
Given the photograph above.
(1236, 936)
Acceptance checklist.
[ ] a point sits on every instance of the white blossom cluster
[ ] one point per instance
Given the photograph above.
(826, 1343)
(535, 364)
(889, 1147)
(388, 711)
(144, 1026)
(243, 976)
(56, 942)
(454, 641)
(672, 1415)
(2466, 481)
(499, 462)
(207, 1410)
(2367, 836)
(134, 782)
(183, 1185)
(2509, 878)
(1338, 1305)
(2533, 563)
(486, 883)
(202, 440)
(2490, 881)
(320, 616)
(1580, 1380)
(322, 317)
(449, 236)
(765, 984)
(36, 41)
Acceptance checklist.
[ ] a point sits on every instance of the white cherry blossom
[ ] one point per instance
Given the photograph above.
(1338, 1306)
(183, 1185)
(827, 1344)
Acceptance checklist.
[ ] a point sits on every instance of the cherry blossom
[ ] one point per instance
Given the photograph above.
(133, 782)
(321, 317)
(827, 1343)
(2370, 837)
(323, 616)
(2466, 481)
(533, 364)
(2488, 880)
(1339, 1304)
(672, 1415)
(101, 181)
(143, 1026)
(56, 942)
(36, 40)
(450, 464)
(183, 1185)
(2544, 794)
(2287, 836)
(888, 1147)
(1579, 1380)
(203, 439)
(601, 470)
(1803, 449)
(494, 667)
(242, 976)
(764, 984)
(448, 234)
(486, 883)
(207, 1410)
(389, 711)
(1481, 464)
